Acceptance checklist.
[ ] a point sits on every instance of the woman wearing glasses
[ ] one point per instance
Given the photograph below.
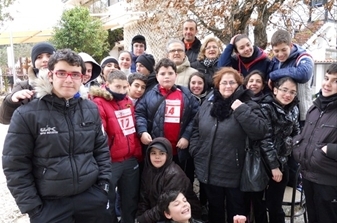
(207, 62)
(225, 119)
(279, 108)
(247, 57)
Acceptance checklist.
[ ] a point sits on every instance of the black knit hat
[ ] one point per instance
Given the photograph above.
(147, 60)
(138, 39)
(39, 48)
(108, 59)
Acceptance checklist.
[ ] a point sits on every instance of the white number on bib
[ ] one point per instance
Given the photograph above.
(172, 111)
(125, 121)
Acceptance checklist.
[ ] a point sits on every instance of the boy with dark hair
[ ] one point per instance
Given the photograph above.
(167, 110)
(137, 86)
(316, 150)
(138, 47)
(145, 65)
(293, 61)
(117, 113)
(55, 158)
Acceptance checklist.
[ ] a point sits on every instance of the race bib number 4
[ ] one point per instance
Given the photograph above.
(172, 111)
(125, 121)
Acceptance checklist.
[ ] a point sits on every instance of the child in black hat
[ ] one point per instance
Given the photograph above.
(22, 91)
(138, 47)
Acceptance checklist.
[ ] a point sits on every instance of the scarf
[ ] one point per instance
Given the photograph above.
(324, 101)
(247, 60)
(116, 96)
(221, 107)
(208, 62)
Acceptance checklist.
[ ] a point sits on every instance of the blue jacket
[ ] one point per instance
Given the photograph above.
(298, 66)
(261, 61)
(145, 109)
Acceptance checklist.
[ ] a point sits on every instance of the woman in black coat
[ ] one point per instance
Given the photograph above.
(225, 119)
(208, 57)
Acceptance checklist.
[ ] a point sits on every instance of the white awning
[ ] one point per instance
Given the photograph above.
(32, 36)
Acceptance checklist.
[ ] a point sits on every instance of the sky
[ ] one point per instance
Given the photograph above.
(33, 15)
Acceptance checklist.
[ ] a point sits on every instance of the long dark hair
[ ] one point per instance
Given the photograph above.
(202, 76)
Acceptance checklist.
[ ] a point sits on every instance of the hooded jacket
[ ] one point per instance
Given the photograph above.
(319, 131)
(218, 146)
(8, 107)
(121, 147)
(155, 181)
(299, 66)
(96, 68)
(258, 61)
(184, 71)
(54, 148)
(283, 125)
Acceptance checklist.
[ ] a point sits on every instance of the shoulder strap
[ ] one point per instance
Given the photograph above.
(302, 55)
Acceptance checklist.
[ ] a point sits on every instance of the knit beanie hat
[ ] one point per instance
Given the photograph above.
(108, 59)
(138, 39)
(147, 60)
(39, 48)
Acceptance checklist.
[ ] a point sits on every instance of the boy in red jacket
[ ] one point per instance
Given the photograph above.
(117, 113)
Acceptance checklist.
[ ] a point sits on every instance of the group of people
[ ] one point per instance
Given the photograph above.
(87, 140)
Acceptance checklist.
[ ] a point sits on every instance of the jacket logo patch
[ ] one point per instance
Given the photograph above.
(48, 130)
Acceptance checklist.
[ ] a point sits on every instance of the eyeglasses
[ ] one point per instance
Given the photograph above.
(286, 91)
(176, 50)
(64, 74)
(211, 47)
(226, 83)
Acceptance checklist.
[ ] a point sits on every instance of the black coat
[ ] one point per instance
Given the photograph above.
(207, 71)
(193, 52)
(218, 147)
(320, 129)
(283, 124)
(54, 148)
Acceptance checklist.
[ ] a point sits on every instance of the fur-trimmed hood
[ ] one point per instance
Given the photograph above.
(96, 91)
(43, 86)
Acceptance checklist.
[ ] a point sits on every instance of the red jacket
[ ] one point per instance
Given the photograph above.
(123, 145)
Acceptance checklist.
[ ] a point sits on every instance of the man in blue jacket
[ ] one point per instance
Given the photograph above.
(293, 61)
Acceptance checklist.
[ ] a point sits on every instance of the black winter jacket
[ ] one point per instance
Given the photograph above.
(193, 52)
(145, 110)
(320, 130)
(282, 126)
(207, 71)
(54, 148)
(218, 147)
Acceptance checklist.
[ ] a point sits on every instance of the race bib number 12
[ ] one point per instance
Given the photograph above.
(125, 121)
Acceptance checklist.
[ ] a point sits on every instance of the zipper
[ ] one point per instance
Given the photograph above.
(71, 146)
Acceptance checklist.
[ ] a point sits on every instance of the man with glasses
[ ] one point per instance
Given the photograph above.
(55, 156)
(176, 52)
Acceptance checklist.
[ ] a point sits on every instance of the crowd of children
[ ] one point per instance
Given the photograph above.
(187, 116)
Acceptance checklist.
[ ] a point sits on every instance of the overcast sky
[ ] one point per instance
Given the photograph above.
(34, 15)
